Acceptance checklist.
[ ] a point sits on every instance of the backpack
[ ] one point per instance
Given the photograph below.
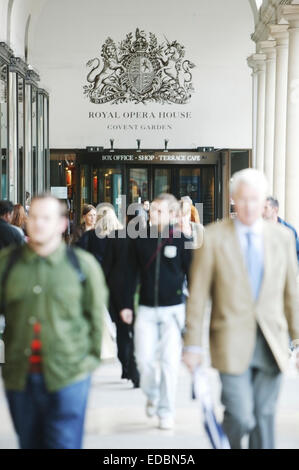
(14, 257)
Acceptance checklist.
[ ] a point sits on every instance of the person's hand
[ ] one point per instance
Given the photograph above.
(126, 315)
(192, 360)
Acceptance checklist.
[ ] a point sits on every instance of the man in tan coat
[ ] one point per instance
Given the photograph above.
(248, 267)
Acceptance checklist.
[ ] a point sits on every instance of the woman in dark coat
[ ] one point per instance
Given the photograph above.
(88, 220)
(110, 249)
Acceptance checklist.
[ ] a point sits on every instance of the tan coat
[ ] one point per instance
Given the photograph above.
(219, 271)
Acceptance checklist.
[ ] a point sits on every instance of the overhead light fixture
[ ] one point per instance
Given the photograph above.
(111, 145)
(94, 149)
(205, 149)
(138, 145)
(165, 145)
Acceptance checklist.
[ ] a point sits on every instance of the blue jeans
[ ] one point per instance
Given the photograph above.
(49, 420)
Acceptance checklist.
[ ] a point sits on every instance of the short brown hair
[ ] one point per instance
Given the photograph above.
(47, 195)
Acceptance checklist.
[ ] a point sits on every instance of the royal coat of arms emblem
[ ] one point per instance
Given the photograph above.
(140, 70)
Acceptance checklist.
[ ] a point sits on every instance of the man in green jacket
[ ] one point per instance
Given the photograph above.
(53, 312)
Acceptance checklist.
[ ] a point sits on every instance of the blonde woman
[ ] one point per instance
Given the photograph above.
(95, 240)
(111, 252)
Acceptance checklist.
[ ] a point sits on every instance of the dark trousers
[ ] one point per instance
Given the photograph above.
(125, 345)
(49, 420)
(125, 350)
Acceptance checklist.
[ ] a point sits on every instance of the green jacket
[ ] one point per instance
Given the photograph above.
(48, 290)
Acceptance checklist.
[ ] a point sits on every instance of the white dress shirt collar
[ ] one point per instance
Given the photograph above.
(256, 228)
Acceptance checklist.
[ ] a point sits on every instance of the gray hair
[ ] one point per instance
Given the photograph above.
(251, 177)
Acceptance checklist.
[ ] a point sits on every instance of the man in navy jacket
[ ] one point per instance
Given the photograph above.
(271, 213)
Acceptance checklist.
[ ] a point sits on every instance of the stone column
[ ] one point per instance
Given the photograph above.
(281, 36)
(268, 48)
(291, 14)
(252, 64)
(260, 60)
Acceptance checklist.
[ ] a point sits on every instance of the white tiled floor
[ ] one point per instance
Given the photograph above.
(116, 418)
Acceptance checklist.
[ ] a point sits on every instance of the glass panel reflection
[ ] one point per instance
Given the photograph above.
(21, 139)
(162, 181)
(13, 138)
(28, 143)
(199, 184)
(3, 130)
(84, 184)
(138, 179)
(190, 183)
(40, 155)
(34, 138)
(46, 145)
(107, 186)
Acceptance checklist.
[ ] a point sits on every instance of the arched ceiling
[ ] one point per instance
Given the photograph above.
(15, 14)
(255, 6)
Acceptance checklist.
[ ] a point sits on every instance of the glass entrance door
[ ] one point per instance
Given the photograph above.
(106, 185)
(199, 184)
(138, 184)
(3, 130)
(101, 185)
(162, 181)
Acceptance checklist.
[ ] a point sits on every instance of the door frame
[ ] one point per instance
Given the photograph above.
(212, 159)
(174, 181)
